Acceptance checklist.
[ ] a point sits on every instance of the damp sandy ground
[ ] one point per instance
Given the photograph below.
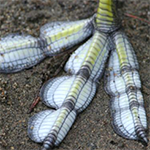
(92, 129)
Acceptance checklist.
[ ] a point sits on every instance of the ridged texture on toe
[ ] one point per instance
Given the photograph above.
(50, 126)
(55, 91)
(59, 36)
(123, 85)
(89, 60)
(19, 51)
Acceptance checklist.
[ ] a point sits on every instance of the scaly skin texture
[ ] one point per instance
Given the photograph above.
(107, 36)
